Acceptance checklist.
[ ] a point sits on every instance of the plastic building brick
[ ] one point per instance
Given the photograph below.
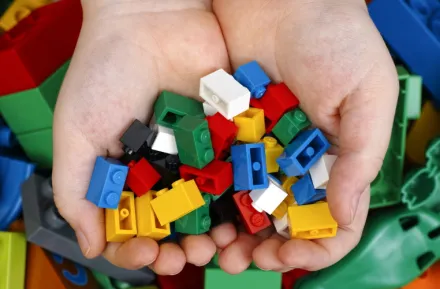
(311, 221)
(38, 146)
(120, 224)
(290, 125)
(250, 125)
(273, 150)
(249, 166)
(282, 226)
(267, 199)
(411, 88)
(17, 226)
(253, 77)
(7, 138)
(198, 221)
(421, 132)
(287, 186)
(385, 188)
(281, 210)
(170, 108)
(147, 223)
(303, 152)
(13, 173)
(172, 163)
(191, 277)
(194, 142)
(208, 109)
(29, 51)
(223, 133)
(106, 183)
(428, 280)
(253, 220)
(224, 93)
(419, 46)
(45, 228)
(223, 209)
(45, 269)
(421, 188)
(165, 140)
(320, 171)
(136, 136)
(216, 278)
(12, 260)
(214, 179)
(182, 199)
(32, 110)
(141, 177)
(18, 10)
(277, 101)
(305, 193)
(413, 233)
(289, 278)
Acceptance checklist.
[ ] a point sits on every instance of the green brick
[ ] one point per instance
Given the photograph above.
(38, 146)
(32, 109)
(198, 221)
(290, 125)
(12, 260)
(253, 278)
(170, 108)
(194, 142)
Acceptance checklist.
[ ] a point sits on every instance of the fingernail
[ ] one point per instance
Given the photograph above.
(354, 207)
(83, 243)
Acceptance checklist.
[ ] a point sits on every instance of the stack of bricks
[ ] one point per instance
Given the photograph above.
(34, 68)
(249, 142)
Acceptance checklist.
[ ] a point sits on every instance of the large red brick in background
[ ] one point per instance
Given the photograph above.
(191, 277)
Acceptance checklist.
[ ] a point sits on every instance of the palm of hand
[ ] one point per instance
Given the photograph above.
(153, 51)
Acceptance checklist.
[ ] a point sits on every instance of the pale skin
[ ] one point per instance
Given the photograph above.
(329, 54)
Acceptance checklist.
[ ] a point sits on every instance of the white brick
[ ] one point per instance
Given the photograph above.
(320, 171)
(282, 226)
(165, 141)
(208, 109)
(268, 199)
(224, 93)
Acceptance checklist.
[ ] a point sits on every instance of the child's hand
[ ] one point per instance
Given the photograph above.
(127, 53)
(331, 56)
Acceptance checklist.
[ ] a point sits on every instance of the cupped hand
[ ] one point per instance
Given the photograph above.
(128, 51)
(331, 56)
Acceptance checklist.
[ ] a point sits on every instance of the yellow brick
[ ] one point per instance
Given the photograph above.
(273, 150)
(183, 198)
(422, 131)
(250, 123)
(311, 221)
(287, 183)
(12, 260)
(147, 222)
(280, 211)
(18, 10)
(121, 223)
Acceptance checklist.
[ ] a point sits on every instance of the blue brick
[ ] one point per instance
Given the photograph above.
(13, 173)
(305, 193)
(107, 183)
(249, 165)
(303, 152)
(412, 30)
(7, 138)
(253, 77)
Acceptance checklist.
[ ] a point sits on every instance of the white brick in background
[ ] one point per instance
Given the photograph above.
(208, 109)
(220, 90)
(320, 171)
(165, 140)
(268, 199)
(282, 226)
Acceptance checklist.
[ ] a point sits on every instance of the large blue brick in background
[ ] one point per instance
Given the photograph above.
(13, 173)
(305, 193)
(249, 165)
(107, 183)
(303, 152)
(412, 30)
(253, 77)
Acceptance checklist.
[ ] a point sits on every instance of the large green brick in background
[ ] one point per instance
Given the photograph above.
(290, 124)
(193, 142)
(397, 246)
(198, 221)
(170, 108)
(32, 109)
(38, 146)
(252, 278)
(385, 189)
